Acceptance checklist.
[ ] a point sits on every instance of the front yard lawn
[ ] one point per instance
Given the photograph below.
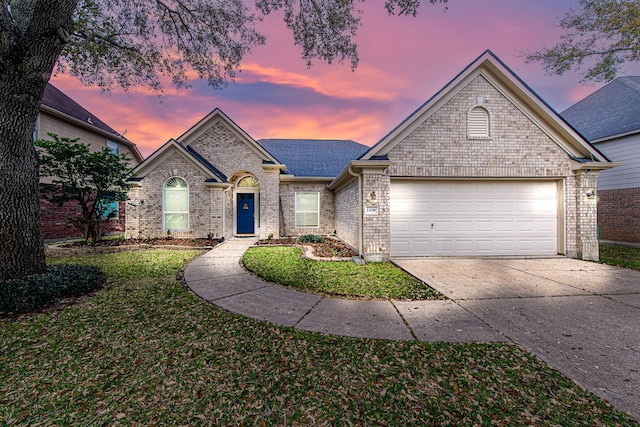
(284, 265)
(623, 256)
(145, 351)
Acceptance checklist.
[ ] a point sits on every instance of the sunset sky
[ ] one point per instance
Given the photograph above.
(403, 62)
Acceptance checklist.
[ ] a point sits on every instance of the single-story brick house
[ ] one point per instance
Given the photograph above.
(483, 168)
(609, 118)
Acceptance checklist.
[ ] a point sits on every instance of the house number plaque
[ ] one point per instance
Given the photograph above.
(371, 210)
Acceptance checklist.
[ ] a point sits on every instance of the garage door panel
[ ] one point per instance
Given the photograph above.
(421, 226)
(451, 218)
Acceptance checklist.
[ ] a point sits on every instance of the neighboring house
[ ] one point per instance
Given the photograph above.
(610, 119)
(484, 168)
(63, 116)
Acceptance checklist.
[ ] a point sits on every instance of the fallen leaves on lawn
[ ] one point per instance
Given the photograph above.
(144, 351)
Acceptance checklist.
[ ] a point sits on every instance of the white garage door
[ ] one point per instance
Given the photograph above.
(473, 218)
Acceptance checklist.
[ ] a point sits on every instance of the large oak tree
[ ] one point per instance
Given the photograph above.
(119, 43)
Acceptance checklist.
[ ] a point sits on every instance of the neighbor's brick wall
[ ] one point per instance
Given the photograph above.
(144, 216)
(287, 205)
(619, 215)
(55, 221)
(347, 216)
(223, 147)
(376, 227)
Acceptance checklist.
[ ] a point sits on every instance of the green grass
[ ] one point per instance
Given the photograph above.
(285, 266)
(622, 256)
(145, 351)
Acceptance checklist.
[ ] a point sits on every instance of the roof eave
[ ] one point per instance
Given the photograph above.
(92, 128)
(180, 148)
(616, 136)
(593, 165)
(357, 166)
(292, 178)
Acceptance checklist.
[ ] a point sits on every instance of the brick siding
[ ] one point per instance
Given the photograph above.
(287, 209)
(619, 215)
(347, 215)
(208, 207)
(55, 221)
(517, 148)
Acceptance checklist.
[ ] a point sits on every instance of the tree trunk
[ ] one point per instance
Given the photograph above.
(31, 39)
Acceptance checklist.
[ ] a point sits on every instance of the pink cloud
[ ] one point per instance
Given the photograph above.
(403, 62)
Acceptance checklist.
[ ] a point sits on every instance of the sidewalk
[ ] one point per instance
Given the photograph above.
(218, 277)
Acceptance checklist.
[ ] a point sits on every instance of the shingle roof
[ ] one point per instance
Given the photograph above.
(57, 100)
(313, 157)
(611, 110)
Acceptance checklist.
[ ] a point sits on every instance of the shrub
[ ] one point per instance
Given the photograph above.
(37, 291)
(310, 238)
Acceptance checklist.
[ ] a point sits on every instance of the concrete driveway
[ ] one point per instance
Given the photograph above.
(581, 318)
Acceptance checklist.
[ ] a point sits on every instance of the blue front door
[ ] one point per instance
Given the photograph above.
(245, 214)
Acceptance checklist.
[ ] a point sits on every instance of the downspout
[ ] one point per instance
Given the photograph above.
(360, 216)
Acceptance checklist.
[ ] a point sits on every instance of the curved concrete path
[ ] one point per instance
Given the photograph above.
(218, 277)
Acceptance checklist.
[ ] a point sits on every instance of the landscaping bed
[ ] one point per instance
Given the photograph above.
(166, 241)
(110, 245)
(328, 248)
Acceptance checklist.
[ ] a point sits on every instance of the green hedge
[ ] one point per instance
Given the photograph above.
(37, 291)
(310, 238)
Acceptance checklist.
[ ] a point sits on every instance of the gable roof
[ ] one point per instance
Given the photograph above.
(212, 173)
(314, 157)
(205, 123)
(512, 87)
(613, 110)
(54, 101)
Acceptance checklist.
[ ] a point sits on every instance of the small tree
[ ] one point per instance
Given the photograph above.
(92, 179)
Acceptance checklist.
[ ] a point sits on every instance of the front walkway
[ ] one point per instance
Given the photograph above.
(218, 277)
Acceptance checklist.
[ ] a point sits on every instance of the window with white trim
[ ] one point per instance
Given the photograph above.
(478, 123)
(176, 204)
(307, 209)
(113, 146)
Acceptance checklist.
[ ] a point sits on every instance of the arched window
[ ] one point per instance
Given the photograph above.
(478, 123)
(248, 181)
(176, 204)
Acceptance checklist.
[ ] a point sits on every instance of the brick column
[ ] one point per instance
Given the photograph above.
(376, 216)
(587, 215)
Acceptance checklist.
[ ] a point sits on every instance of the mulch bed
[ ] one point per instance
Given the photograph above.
(330, 248)
(194, 243)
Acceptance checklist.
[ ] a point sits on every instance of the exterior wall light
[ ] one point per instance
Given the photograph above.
(591, 194)
(372, 197)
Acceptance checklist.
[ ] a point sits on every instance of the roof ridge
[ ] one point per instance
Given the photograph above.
(628, 81)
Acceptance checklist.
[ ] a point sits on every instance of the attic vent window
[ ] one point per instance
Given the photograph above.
(478, 123)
